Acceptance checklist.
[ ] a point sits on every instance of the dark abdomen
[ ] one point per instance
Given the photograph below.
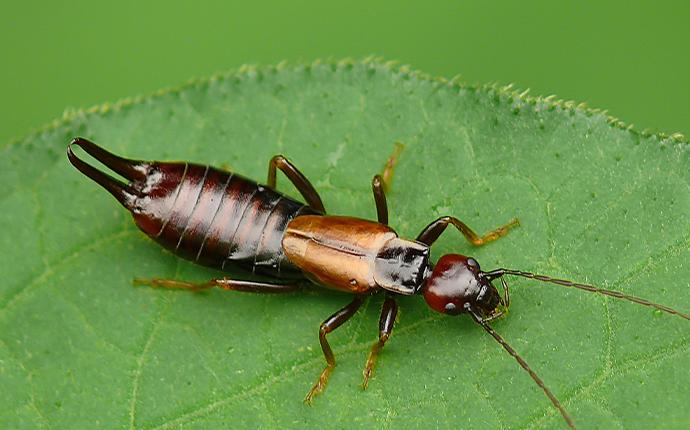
(218, 219)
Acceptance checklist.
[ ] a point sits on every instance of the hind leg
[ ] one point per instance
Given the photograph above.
(222, 283)
(298, 180)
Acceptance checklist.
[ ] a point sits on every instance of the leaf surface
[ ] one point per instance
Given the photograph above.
(81, 348)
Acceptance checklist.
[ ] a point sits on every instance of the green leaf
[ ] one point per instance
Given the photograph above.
(81, 348)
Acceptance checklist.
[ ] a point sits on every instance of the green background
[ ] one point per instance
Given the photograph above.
(630, 59)
(597, 203)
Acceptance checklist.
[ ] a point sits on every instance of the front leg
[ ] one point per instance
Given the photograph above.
(434, 230)
(388, 313)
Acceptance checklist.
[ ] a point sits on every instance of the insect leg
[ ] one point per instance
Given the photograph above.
(222, 283)
(298, 180)
(387, 175)
(380, 199)
(434, 230)
(381, 183)
(388, 314)
(331, 323)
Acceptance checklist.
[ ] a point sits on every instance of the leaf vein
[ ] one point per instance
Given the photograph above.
(63, 260)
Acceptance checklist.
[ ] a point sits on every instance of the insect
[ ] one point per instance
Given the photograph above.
(217, 218)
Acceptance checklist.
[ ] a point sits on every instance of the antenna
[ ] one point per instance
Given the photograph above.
(591, 288)
(479, 320)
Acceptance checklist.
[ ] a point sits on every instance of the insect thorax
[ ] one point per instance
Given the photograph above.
(400, 266)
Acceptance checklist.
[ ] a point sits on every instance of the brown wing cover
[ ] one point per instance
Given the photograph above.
(335, 251)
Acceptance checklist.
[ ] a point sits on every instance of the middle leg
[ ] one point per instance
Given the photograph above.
(331, 323)
(387, 175)
(380, 199)
(381, 183)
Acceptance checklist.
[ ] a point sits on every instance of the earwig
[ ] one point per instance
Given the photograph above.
(217, 218)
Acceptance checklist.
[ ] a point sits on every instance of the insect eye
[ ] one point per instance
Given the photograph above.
(451, 309)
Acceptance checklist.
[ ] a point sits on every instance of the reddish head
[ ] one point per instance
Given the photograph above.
(458, 282)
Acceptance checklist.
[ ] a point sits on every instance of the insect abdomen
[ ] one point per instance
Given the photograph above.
(216, 218)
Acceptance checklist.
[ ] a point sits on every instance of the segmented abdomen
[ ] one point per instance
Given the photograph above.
(218, 218)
